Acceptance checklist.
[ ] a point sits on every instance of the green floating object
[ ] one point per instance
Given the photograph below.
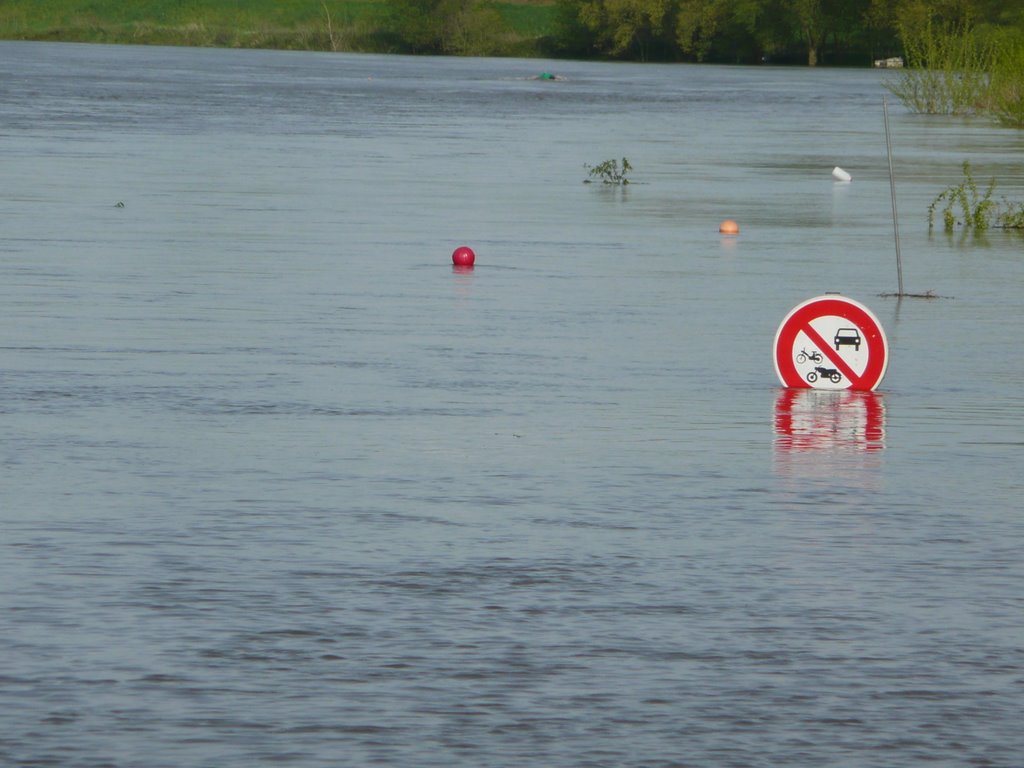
(546, 76)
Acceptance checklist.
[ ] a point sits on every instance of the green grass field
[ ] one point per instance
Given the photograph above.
(352, 25)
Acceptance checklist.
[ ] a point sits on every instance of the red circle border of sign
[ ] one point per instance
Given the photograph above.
(838, 306)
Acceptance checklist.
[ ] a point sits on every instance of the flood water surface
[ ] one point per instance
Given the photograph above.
(282, 486)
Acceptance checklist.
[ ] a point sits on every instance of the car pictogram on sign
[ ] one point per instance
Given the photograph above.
(848, 336)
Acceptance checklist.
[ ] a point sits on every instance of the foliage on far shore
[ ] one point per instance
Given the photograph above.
(454, 27)
(831, 32)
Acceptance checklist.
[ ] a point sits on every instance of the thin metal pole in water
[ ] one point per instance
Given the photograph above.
(892, 191)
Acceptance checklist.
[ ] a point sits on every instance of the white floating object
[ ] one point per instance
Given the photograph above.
(840, 175)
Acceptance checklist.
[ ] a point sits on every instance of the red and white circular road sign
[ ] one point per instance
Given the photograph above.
(831, 342)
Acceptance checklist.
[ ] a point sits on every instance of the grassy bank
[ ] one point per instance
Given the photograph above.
(514, 28)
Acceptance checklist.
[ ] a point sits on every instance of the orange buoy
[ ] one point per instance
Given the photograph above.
(729, 227)
(463, 256)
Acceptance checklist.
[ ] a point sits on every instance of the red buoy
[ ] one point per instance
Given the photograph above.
(463, 256)
(729, 227)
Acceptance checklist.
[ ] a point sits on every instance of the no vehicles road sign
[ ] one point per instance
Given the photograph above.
(831, 342)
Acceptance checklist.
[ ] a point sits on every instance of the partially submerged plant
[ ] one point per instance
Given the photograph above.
(948, 69)
(976, 209)
(609, 172)
(1006, 94)
(1012, 216)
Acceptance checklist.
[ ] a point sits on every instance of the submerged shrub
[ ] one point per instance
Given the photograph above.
(1012, 215)
(977, 210)
(609, 172)
(1006, 95)
(947, 70)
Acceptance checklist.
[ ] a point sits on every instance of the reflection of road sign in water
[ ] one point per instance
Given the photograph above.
(831, 342)
(834, 421)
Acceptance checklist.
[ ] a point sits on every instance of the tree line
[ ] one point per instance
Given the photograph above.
(811, 32)
(828, 32)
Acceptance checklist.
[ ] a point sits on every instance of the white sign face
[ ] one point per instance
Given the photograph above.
(810, 359)
(830, 342)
